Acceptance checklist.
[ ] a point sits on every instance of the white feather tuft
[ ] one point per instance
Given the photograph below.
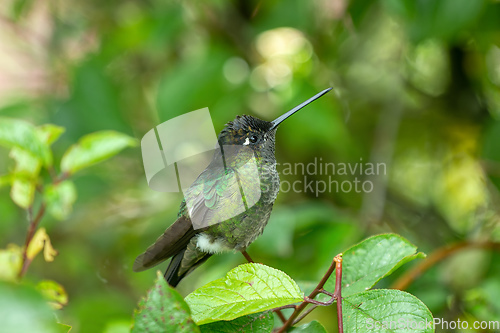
(206, 244)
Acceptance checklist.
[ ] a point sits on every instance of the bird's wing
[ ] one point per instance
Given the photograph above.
(173, 240)
(223, 190)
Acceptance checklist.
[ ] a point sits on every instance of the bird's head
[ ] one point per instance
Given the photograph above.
(248, 131)
(258, 134)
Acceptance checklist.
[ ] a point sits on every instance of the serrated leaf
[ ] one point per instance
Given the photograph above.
(312, 327)
(163, 311)
(41, 241)
(23, 135)
(11, 260)
(54, 293)
(368, 262)
(255, 323)
(94, 148)
(246, 289)
(49, 133)
(60, 199)
(385, 310)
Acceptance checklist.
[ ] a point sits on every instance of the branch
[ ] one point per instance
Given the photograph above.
(29, 236)
(336, 263)
(338, 293)
(34, 222)
(435, 257)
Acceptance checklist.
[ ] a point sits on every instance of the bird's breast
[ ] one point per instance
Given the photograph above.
(270, 182)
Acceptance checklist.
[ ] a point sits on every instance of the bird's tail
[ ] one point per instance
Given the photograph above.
(171, 274)
(183, 263)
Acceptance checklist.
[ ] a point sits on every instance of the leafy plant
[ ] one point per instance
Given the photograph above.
(30, 149)
(245, 298)
(163, 310)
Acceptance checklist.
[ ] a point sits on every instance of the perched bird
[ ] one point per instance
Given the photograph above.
(230, 201)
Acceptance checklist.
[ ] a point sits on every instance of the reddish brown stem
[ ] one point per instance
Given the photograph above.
(61, 178)
(435, 257)
(319, 289)
(338, 292)
(280, 315)
(29, 236)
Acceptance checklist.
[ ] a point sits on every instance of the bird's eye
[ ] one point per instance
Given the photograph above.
(253, 139)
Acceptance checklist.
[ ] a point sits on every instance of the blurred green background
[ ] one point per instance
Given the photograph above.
(416, 86)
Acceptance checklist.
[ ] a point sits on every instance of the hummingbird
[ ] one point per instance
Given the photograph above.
(211, 199)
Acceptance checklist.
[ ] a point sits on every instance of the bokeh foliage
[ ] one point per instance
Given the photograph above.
(416, 87)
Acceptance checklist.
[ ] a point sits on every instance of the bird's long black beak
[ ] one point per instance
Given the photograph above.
(281, 118)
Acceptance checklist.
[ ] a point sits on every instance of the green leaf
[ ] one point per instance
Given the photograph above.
(23, 192)
(60, 199)
(254, 323)
(163, 310)
(24, 177)
(94, 148)
(368, 262)
(23, 309)
(10, 262)
(49, 133)
(246, 289)
(312, 327)
(385, 310)
(26, 164)
(23, 135)
(54, 293)
(27, 167)
(117, 326)
(63, 328)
